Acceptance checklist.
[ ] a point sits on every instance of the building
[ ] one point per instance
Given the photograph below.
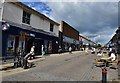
(118, 40)
(23, 27)
(68, 36)
(80, 42)
(115, 41)
(86, 42)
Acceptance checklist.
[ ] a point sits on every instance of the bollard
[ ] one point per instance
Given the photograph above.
(104, 75)
(25, 63)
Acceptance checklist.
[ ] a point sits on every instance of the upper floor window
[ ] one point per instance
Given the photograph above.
(26, 17)
(51, 27)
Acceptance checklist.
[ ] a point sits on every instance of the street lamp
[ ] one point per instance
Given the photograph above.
(5, 26)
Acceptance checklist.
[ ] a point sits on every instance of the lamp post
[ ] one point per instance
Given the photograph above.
(4, 26)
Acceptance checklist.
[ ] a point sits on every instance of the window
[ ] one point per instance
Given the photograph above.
(51, 27)
(26, 17)
(10, 44)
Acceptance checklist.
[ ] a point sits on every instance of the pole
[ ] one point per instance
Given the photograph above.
(104, 74)
(25, 63)
(1, 8)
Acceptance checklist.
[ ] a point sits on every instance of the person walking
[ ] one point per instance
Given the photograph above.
(70, 50)
(31, 54)
(60, 50)
(42, 50)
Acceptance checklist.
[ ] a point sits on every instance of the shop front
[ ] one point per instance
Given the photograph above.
(67, 42)
(20, 40)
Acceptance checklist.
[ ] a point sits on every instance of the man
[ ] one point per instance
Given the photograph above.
(31, 54)
(42, 50)
(112, 57)
(60, 50)
(70, 49)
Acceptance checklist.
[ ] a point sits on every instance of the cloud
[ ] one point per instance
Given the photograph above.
(87, 17)
(69, 1)
(40, 7)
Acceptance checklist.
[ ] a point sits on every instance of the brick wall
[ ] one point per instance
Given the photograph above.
(69, 31)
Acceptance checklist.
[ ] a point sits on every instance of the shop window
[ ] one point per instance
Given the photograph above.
(26, 17)
(21, 45)
(11, 44)
(51, 27)
(46, 45)
(50, 47)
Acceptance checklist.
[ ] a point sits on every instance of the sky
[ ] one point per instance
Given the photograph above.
(96, 20)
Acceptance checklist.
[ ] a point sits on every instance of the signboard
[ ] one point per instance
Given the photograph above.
(23, 34)
(33, 35)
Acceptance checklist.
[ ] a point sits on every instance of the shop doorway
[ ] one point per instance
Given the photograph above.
(38, 44)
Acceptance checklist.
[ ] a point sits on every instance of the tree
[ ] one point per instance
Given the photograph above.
(98, 45)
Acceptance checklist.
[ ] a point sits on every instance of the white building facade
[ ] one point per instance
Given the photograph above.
(27, 27)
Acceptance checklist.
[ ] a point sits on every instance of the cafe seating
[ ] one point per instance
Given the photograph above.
(114, 64)
(105, 59)
(98, 63)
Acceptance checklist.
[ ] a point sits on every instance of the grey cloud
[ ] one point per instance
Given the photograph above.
(90, 17)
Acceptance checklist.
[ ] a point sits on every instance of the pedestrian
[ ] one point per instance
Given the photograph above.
(112, 56)
(100, 54)
(70, 50)
(31, 54)
(60, 50)
(43, 51)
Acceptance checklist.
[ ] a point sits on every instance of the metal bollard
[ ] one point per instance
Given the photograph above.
(104, 75)
(25, 63)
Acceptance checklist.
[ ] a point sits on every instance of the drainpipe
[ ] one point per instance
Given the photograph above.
(1, 14)
(1, 8)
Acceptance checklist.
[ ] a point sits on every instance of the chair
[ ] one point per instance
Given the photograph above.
(98, 63)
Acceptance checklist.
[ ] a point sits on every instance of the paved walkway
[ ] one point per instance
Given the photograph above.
(10, 63)
(68, 67)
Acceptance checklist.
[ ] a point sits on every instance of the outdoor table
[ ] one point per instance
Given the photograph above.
(105, 59)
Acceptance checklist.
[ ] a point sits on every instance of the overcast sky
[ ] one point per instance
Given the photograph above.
(98, 19)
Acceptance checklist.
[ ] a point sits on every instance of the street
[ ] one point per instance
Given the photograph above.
(77, 66)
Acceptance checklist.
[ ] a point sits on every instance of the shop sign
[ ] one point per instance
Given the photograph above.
(23, 34)
(33, 35)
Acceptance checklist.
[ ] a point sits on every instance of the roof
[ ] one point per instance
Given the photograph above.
(69, 26)
(114, 37)
(88, 39)
(27, 8)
